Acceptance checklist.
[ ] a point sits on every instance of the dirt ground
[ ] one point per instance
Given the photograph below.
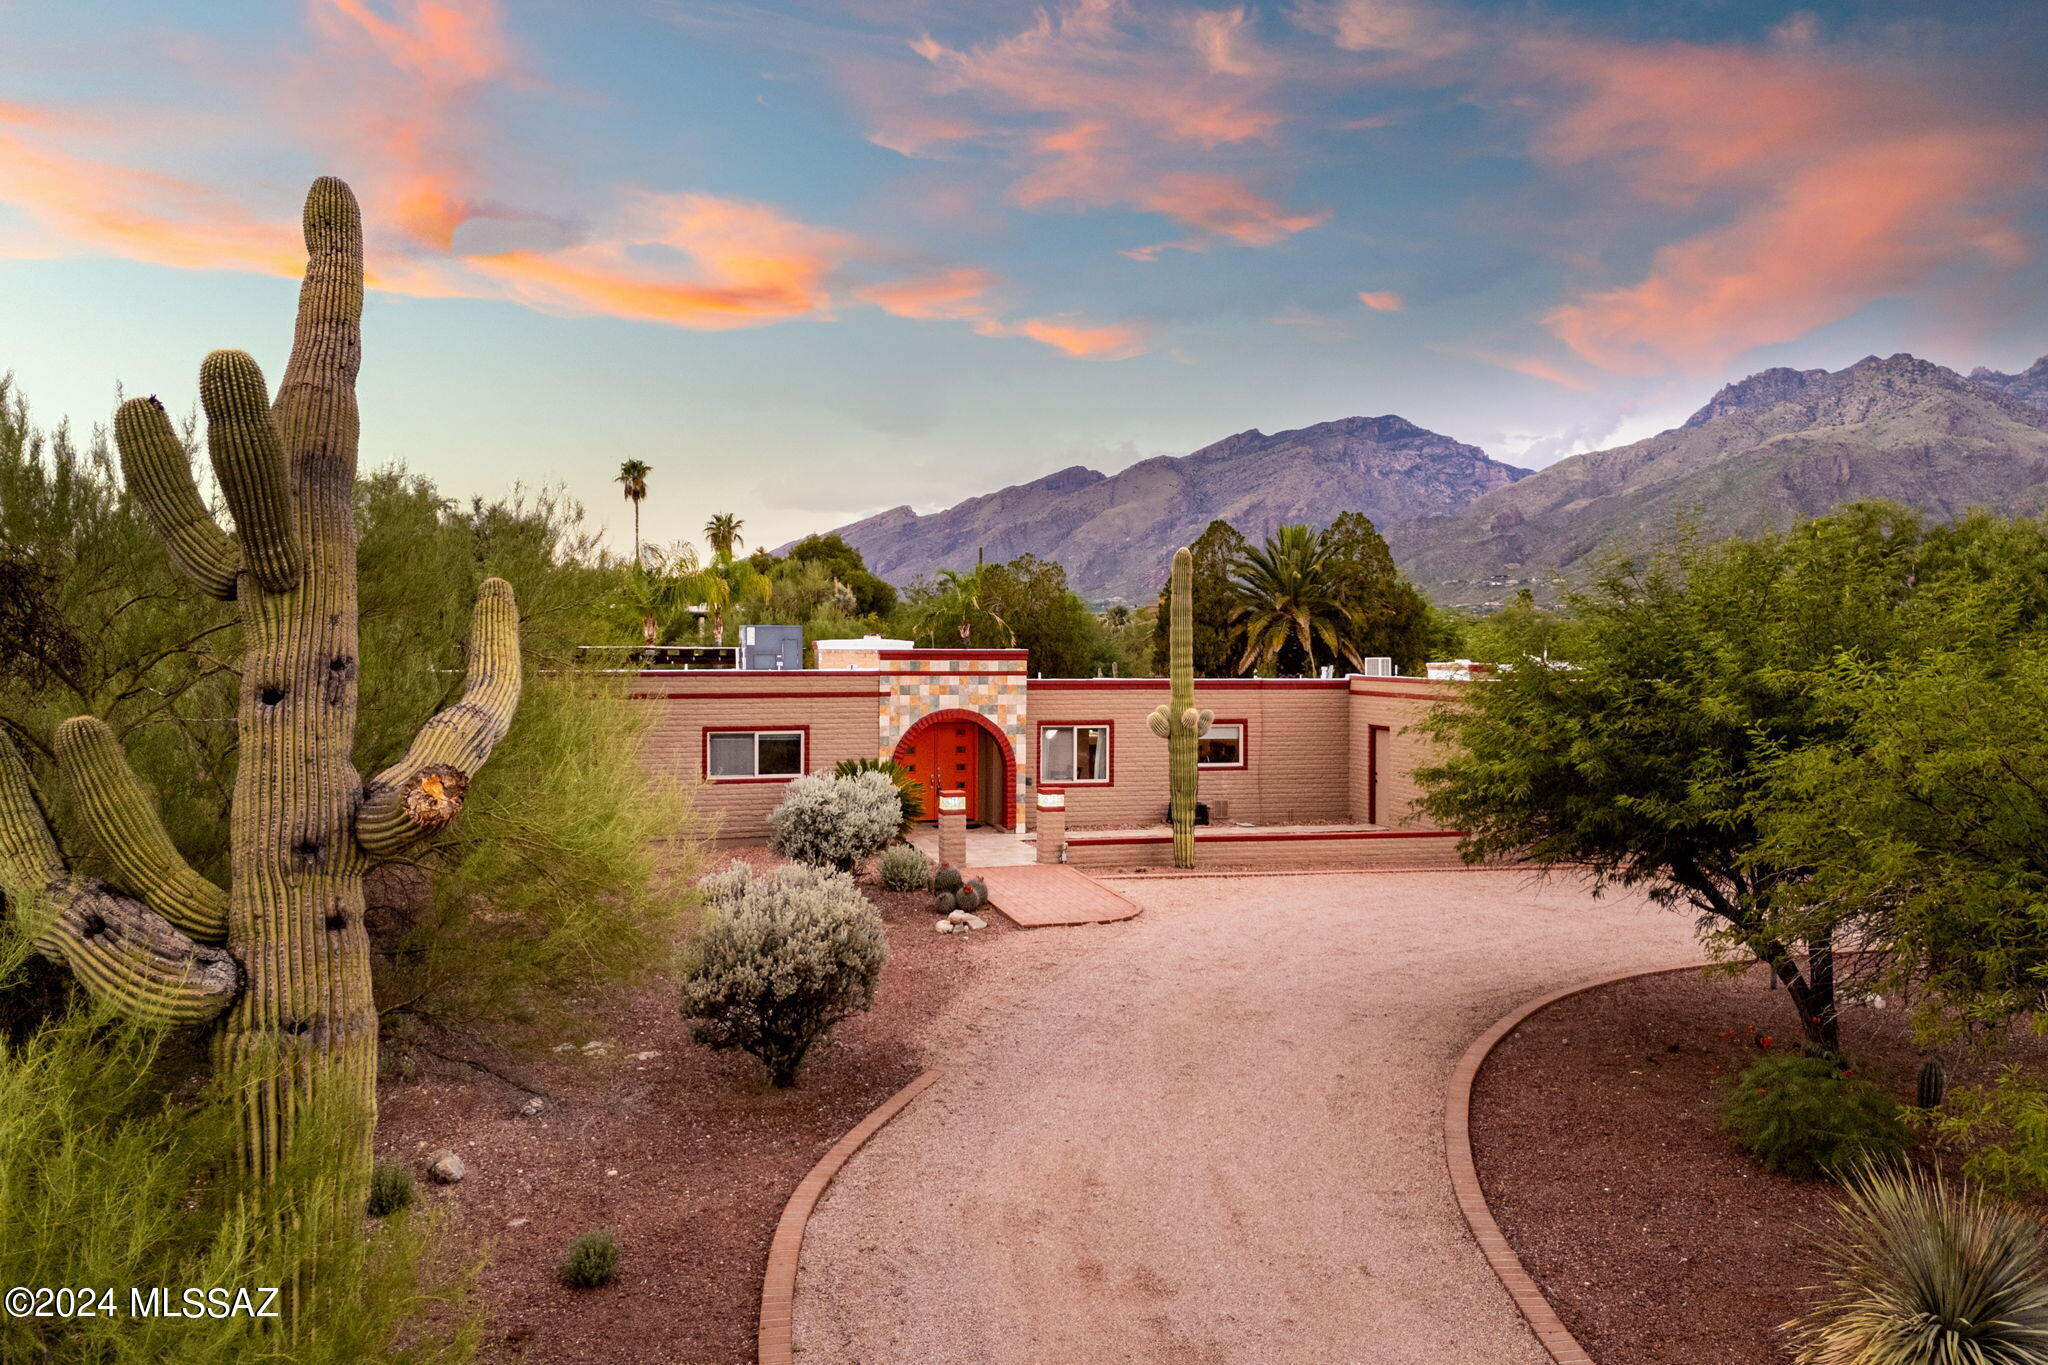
(1210, 1135)
(1658, 1241)
(685, 1154)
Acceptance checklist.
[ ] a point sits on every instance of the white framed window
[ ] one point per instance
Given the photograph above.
(738, 755)
(1222, 747)
(1073, 753)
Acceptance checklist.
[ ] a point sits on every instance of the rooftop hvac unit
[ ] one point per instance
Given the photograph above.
(1377, 667)
(772, 647)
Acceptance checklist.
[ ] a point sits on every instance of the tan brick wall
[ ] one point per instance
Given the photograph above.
(1399, 704)
(842, 711)
(1296, 732)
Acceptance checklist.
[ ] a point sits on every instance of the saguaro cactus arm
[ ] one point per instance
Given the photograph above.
(123, 822)
(154, 464)
(424, 790)
(248, 459)
(119, 949)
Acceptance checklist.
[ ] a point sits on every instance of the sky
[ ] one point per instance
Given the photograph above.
(814, 259)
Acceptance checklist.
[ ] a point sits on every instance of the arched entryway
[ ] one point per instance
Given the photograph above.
(964, 749)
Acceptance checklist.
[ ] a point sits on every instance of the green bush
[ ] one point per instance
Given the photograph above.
(390, 1188)
(591, 1262)
(2002, 1129)
(905, 868)
(1808, 1116)
(909, 791)
(779, 960)
(1920, 1274)
(836, 822)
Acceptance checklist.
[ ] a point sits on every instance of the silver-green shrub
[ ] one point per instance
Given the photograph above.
(780, 959)
(1924, 1273)
(905, 868)
(837, 822)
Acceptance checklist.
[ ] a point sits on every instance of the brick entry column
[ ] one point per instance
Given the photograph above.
(953, 828)
(1052, 825)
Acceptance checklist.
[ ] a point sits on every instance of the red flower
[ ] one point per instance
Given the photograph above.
(1765, 1041)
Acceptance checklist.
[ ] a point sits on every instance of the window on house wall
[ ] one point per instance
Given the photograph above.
(1222, 747)
(1073, 753)
(753, 753)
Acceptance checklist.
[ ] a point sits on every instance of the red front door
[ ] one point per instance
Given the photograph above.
(945, 757)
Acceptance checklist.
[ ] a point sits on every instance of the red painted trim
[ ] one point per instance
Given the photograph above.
(1398, 696)
(1003, 654)
(748, 696)
(1109, 752)
(1244, 747)
(754, 673)
(1211, 836)
(1161, 684)
(1009, 751)
(704, 752)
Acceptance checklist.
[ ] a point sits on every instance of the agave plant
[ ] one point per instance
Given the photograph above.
(1921, 1273)
(908, 790)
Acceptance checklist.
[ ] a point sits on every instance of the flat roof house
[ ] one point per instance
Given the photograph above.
(1299, 771)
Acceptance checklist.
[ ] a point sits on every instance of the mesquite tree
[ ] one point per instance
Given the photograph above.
(1178, 721)
(280, 959)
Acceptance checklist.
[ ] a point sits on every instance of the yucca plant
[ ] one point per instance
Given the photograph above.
(1922, 1273)
(909, 791)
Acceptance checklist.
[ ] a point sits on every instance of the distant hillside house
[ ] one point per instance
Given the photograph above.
(1284, 753)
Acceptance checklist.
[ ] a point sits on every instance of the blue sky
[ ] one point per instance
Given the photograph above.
(814, 259)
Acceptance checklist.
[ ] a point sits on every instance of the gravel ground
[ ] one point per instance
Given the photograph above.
(1208, 1136)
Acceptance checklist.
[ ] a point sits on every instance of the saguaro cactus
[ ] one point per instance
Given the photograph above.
(1178, 722)
(281, 959)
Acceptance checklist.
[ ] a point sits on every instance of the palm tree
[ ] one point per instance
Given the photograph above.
(960, 602)
(633, 475)
(660, 589)
(722, 532)
(1284, 597)
(724, 581)
(1117, 617)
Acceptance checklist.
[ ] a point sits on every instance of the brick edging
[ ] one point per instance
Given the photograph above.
(1168, 874)
(1535, 1309)
(778, 1285)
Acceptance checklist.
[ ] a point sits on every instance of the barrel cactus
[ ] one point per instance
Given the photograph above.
(279, 960)
(1932, 1088)
(1179, 722)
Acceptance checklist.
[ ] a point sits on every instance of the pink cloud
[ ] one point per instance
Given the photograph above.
(1834, 185)
(1382, 300)
(1078, 337)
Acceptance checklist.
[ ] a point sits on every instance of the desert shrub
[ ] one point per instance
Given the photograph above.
(909, 791)
(1922, 1274)
(2003, 1130)
(113, 1174)
(390, 1188)
(779, 960)
(591, 1262)
(1809, 1116)
(905, 868)
(837, 822)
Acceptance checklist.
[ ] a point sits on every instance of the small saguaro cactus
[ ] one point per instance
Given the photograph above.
(1932, 1087)
(1179, 722)
(281, 958)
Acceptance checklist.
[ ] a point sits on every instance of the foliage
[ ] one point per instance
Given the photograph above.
(722, 534)
(1923, 1274)
(909, 791)
(1809, 1116)
(955, 608)
(1216, 651)
(129, 1181)
(391, 1188)
(905, 867)
(779, 960)
(1645, 761)
(2002, 1128)
(632, 479)
(837, 822)
(872, 597)
(1286, 604)
(1382, 614)
(1519, 630)
(591, 1262)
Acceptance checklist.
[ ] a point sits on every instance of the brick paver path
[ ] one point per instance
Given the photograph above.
(1210, 1135)
(1043, 894)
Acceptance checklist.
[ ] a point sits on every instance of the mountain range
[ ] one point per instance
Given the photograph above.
(1467, 528)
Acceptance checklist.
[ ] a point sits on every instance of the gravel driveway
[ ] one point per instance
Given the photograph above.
(1207, 1136)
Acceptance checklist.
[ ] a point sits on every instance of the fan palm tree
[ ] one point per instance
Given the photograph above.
(1117, 617)
(659, 587)
(1284, 597)
(722, 533)
(960, 601)
(633, 476)
(724, 581)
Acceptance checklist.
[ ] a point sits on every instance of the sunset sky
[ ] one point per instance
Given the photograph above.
(816, 258)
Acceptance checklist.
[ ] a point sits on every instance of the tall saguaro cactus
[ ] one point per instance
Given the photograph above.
(1178, 722)
(281, 959)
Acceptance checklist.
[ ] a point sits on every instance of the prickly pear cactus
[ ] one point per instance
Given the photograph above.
(280, 958)
(1179, 722)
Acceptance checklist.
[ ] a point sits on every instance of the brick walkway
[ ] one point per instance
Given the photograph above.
(1038, 895)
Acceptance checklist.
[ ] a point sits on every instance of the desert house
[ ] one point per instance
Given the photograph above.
(1295, 771)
